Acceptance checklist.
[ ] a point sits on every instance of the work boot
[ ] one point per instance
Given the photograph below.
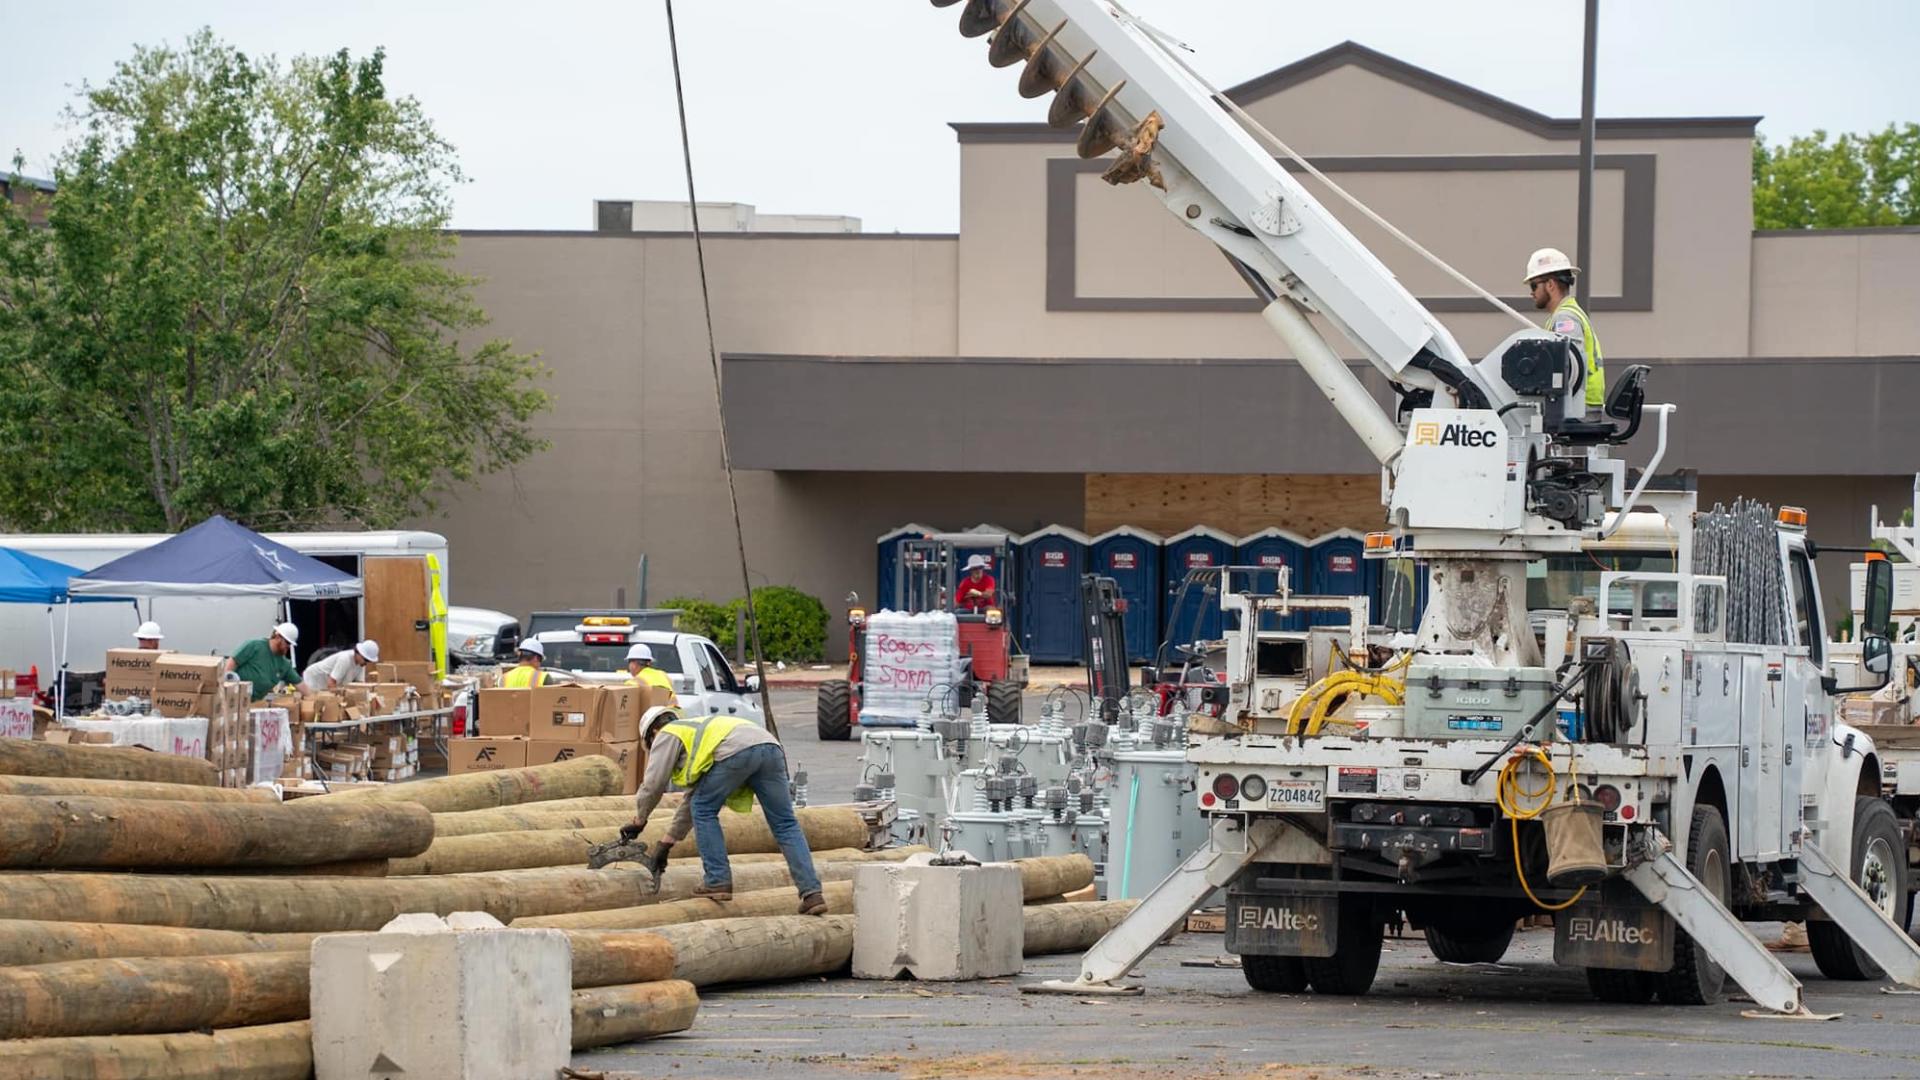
(705, 891)
(813, 904)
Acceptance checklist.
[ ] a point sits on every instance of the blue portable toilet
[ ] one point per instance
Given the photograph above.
(1337, 566)
(1131, 557)
(1270, 550)
(887, 561)
(1198, 615)
(1051, 563)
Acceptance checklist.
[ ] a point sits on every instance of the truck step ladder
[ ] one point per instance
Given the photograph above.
(1667, 883)
(1162, 911)
(1856, 914)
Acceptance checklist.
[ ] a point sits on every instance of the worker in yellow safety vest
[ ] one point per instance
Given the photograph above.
(722, 761)
(1549, 279)
(641, 672)
(528, 672)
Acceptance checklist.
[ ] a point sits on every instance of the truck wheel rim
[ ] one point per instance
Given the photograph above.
(1876, 879)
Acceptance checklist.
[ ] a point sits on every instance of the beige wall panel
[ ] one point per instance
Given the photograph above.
(1350, 110)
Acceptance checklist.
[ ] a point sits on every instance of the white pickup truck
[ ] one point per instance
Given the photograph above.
(595, 651)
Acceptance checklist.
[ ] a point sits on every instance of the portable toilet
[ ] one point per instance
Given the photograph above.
(1051, 563)
(887, 560)
(1337, 567)
(1131, 557)
(1195, 614)
(1270, 550)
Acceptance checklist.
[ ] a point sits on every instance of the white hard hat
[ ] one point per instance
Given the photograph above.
(288, 633)
(532, 645)
(640, 652)
(149, 630)
(980, 561)
(369, 650)
(1549, 261)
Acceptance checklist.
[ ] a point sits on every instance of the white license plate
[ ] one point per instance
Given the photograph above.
(1305, 796)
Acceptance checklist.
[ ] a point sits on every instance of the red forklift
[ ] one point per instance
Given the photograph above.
(925, 579)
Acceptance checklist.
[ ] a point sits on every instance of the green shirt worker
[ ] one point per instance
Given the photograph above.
(722, 761)
(1550, 277)
(268, 662)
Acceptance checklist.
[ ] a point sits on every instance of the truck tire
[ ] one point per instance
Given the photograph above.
(1350, 970)
(1880, 869)
(1622, 987)
(833, 710)
(1274, 974)
(1460, 944)
(1003, 702)
(1695, 979)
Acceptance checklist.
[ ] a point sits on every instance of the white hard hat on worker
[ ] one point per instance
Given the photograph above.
(1548, 261)
(149, 631)
(640, 652)
(288, 633)
(369, 651)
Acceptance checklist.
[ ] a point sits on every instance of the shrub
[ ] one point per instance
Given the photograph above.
(703, 617)
(793, 624)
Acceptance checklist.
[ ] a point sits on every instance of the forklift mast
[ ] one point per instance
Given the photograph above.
(1106, 629)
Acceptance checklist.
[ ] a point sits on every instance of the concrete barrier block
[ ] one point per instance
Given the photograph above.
(937, 923)
(432, 1000)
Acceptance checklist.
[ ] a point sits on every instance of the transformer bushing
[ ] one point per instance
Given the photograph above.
(1029, 788)
(865, 793)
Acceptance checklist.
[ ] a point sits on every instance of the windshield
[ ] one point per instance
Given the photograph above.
(1554, 581)
(579, 656)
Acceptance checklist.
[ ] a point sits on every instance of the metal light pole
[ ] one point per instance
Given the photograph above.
(1583, 242)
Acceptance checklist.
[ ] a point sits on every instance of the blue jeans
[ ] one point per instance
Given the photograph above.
(763, 769)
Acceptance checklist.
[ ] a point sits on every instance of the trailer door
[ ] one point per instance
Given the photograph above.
(396, 610)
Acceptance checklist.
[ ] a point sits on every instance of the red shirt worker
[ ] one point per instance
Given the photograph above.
(976, 591)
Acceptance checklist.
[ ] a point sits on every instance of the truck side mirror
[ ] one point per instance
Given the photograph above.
(1876, 657)
(1879, 598)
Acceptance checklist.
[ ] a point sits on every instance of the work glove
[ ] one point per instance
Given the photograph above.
(657, 860)
(630, 831)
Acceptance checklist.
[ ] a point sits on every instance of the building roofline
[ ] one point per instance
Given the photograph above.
(1436, 85)
(705, 234)
(1871, 230)
(30, 181)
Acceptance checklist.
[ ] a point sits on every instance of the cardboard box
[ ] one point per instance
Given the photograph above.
(378, 699)
(505, 713)
(485, 755)
(132, 672)
(185, 673)
(415, 673)
(620, 711)
(174, 704)
(563, 712)
(628, 755)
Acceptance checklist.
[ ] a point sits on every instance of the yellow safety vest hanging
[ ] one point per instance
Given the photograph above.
(700, 737)
(523, 676)
(1589, 348)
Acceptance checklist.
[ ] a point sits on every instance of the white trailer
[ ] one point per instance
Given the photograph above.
(396, 610)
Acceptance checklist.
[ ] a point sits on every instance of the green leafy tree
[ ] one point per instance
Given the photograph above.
(793, 624)
(703, 617)
(1852, 181)
(241, 303)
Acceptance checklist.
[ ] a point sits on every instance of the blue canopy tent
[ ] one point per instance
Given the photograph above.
(26, 578)
(218, 558)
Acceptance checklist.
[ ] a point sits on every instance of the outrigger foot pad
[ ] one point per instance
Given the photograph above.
(1082, 989)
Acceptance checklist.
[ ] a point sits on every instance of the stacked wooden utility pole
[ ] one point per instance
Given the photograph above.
(152, 924)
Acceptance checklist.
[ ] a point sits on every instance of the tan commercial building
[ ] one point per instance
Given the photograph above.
(1075, 356)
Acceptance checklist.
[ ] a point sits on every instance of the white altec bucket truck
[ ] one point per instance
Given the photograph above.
(1701, 778)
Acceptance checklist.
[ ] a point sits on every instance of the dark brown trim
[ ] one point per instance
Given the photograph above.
(595, 234)
(1427, 82)
(1875, 230)
(1636, 247)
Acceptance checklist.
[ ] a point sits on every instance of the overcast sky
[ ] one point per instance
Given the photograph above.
(804, 106)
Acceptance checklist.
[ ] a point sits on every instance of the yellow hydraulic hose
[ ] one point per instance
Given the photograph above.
(1314, 703)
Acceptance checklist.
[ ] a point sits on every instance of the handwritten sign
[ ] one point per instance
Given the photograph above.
(16, 718)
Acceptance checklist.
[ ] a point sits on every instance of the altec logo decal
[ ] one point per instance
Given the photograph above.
(1278, 918)
(1431, 434)
(1609, 931)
